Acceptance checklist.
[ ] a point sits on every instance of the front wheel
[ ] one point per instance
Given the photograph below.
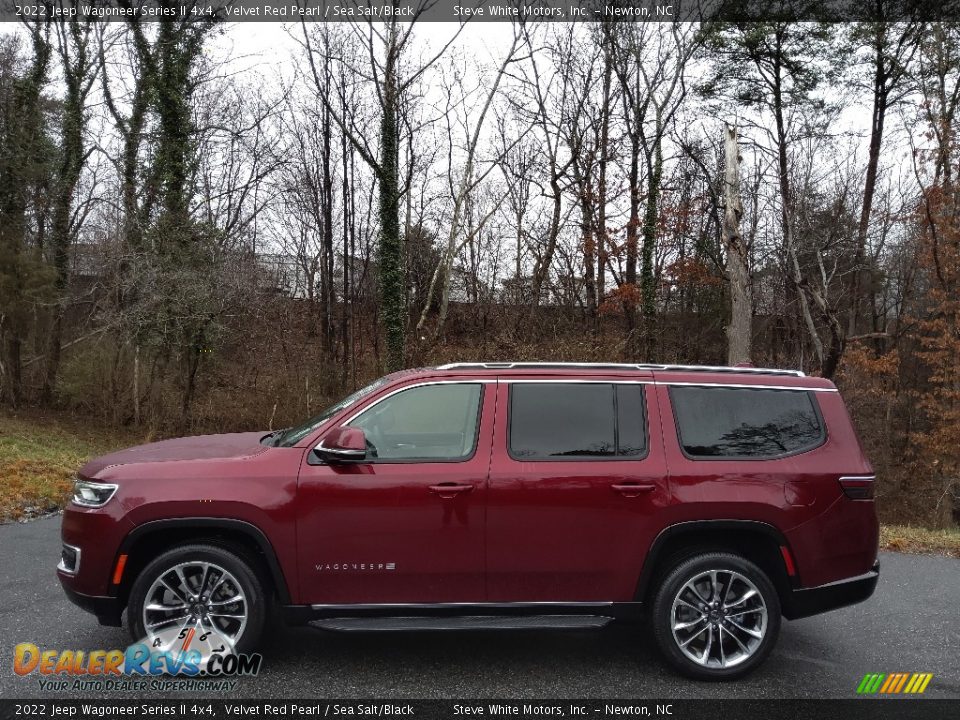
(716, 616)
(199, 597)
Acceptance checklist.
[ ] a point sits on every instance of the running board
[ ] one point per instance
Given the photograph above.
(463, 622)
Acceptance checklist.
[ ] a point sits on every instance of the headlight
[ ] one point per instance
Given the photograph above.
(92, 494)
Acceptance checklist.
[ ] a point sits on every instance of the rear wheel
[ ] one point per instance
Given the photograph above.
(201, 595)
(716, 616)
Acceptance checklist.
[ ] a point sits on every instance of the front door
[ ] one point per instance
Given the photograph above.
(578, 472)
(406, 525)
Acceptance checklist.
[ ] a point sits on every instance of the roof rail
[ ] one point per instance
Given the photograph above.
(618, 366)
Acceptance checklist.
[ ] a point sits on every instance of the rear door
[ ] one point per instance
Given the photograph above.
(577, 475)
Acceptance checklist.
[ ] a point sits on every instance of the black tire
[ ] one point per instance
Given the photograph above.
(241, 569)
(662, 617)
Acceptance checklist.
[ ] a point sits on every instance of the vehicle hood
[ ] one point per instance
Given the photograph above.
(198, 447)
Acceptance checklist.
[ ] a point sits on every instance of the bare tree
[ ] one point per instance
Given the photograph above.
(891, 47)
(386, 48)
(540, 104)
(78, 61)
(652, 66)
(739, 330)
(461, 188)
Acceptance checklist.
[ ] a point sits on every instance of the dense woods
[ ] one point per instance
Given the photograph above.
(192, 241)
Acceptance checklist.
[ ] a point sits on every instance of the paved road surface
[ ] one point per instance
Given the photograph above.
(912, 624)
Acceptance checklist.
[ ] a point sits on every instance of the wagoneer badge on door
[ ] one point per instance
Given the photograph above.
(350, 567)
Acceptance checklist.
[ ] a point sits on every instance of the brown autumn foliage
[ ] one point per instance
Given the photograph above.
(904, 392)
(936, 443)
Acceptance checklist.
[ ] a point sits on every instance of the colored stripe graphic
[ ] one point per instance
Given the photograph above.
(900, 682)
(894, 683)
(891, 681)
(870, 683)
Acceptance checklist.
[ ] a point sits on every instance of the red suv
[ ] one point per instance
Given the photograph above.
(496, 495)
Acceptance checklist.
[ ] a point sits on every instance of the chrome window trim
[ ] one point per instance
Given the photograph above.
(742, 386)
(575, 381)
(864, 478)
(426, 383)
(663, 383)
(63, 568)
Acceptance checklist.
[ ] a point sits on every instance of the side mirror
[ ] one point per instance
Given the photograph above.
(343, 445)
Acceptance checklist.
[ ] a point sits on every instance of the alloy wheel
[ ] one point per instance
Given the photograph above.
(718, 618)
(201, 596)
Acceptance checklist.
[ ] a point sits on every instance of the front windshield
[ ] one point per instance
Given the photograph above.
(291, 436)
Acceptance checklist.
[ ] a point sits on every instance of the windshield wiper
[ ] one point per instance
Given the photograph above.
(272, 439)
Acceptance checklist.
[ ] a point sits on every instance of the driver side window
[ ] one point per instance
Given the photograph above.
(429, 422)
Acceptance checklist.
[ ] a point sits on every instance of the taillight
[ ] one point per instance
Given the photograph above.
(858, 487)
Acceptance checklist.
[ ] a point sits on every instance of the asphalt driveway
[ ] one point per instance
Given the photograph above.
(910, 625)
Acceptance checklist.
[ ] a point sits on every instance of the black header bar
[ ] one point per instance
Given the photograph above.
(469, 709)
(480, 10)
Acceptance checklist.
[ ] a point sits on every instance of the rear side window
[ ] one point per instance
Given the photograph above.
(567, 421)
(745, 423)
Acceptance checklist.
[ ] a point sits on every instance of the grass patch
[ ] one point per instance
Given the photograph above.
(907, 539)
(38, 457)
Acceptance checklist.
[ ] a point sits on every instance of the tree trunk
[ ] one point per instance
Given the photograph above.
(633, 225)
(589, 249)
(648, 288)
(601, 230)
(329, 290)
(391, 246)
(192, 364)
(68, 175)
(880, 102)
(136, 385)
(786, 221)
(738, 270)
(346, 312)
(541, 271)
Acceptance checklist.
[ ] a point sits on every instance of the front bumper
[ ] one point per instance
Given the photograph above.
(94, 536)
(804, 602)
(107, 609)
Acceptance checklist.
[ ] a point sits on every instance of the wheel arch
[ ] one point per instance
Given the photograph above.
(156, 536)
(754, 540)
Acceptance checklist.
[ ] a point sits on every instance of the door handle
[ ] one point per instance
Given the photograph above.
(633, 489)
(450, 490)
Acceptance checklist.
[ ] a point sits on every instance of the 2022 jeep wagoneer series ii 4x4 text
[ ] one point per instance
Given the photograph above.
(710, 500)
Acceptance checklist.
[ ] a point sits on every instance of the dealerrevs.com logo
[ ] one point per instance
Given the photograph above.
(141, 666)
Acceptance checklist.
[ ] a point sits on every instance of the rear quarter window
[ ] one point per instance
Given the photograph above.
(747, 423)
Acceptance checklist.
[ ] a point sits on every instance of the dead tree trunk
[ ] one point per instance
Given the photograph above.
(738, 269)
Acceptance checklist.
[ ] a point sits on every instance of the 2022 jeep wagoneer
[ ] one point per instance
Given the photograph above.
(711, 500)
